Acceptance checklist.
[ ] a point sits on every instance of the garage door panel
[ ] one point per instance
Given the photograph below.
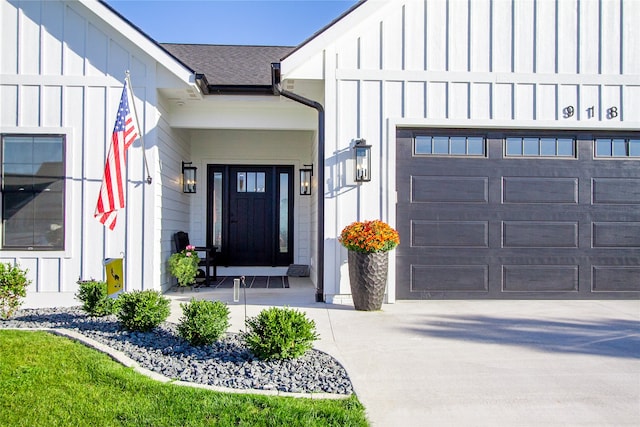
(616, 278)
(437, 234)
(616, 191)
(434, 189)
(539, 234)
(450, 278)
(540, 190)
(540, 278)
(616, 235)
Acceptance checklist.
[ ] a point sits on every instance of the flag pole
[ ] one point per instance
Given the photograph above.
(135, 113)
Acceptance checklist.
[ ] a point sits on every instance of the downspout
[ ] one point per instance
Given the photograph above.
(277, 90)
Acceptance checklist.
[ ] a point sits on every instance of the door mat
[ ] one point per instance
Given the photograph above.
(252, 282)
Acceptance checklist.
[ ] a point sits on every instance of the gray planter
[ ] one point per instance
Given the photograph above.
(368, 279)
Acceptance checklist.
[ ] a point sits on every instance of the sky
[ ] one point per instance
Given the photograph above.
(245, 22)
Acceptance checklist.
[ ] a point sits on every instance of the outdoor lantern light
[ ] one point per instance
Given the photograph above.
(188, 177)
(305, 180)
(362, 153)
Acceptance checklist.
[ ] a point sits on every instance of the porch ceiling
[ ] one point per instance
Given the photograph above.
(241, 112)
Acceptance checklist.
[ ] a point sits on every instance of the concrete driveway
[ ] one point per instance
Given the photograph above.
(474, 363)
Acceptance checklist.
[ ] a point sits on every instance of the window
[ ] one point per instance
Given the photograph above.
(250, 182)
(33, 192)
(540, 147)
(450, 145)
(617, 147)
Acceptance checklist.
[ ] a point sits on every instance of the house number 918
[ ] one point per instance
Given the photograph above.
(570, 111)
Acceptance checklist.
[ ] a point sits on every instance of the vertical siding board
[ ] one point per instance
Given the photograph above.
(52, 36)
(414, 35)
(8, 105)
(458, 30)
(589, 98)
(611, 103)
(567, 36)
(370, 49)
(480, 35)
(394, 99)
(502, 37)
(9, 39)
(545, 43)
(347, 129)
(631, 38)
(437, 36)
(525, 102)
(459, 106)
(610, 38)
(118, 61)
(94, 160)
(437, 100)
(546, 102)
(97, 52)
(480, 101)
(74, 43)
(29, 106)
(589, 37)
(49, 275)
(74, 117)
(31, 265)
(568, 98)
(503, 101)
(52, 106)
(348, 53)
(631, 103)
(392, 39)
(371, 130)
(29, 42)
(524, 36)
(415, 99)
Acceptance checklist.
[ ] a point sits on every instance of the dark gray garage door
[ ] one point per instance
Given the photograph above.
(518, 216)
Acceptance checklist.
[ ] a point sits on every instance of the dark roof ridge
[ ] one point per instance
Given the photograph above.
(230, 45)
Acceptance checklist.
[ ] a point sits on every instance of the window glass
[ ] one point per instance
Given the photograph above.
(251, 182)
(547, 146)
(441, 145)
(619, 148)
(566, 147)
(514, 146)
(603, 147)
(260, 185)
(242, 182)
(634, 147)
(33, 192)
(217, 210)
(475, 145)
(423, 145)
(284, 213)
(458, 145)
(530, 146)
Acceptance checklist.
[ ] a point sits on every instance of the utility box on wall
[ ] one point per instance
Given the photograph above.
(115, 277)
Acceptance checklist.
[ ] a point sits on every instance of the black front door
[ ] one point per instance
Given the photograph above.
(250, 214)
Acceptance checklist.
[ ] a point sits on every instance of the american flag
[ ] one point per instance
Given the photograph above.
(111, 197)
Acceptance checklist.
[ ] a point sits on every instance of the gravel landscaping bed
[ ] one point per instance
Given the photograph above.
(227, 363)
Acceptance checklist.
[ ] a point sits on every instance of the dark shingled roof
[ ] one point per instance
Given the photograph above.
(230, 65)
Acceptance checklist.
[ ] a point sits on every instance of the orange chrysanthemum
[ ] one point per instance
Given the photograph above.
(369, 236)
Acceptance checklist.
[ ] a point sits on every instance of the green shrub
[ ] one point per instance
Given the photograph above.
(13, 287)
(280, 333)
(142, 310)
(203, 322)
(94, 298)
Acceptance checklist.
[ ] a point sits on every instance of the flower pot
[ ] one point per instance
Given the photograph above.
(368, 279)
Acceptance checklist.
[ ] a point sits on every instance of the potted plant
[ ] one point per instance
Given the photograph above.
(369, 243)
(183, 266)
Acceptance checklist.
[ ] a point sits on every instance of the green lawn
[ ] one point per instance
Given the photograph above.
(46, 380)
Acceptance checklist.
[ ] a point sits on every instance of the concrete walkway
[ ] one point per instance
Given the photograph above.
(480, 363)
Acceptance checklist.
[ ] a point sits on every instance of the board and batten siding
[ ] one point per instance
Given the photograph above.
(62, 71)
(501, 64)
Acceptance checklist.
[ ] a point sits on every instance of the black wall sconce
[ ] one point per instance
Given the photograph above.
(188, 177)
(362, 153)
(305, 180)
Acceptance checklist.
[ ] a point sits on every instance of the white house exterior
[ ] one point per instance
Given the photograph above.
(460, 101)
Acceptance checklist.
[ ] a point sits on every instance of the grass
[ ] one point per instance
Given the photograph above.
(46, 380)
